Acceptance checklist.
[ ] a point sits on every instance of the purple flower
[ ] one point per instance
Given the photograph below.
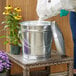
(7, 65)
(1, 67)
(3, 57)
(4, 62)
(0, 61)
(0, 55)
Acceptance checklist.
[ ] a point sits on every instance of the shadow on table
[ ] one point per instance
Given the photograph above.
(17, 75)
(36, 73)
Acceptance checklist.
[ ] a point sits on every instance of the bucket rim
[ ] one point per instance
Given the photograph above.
(35, 23)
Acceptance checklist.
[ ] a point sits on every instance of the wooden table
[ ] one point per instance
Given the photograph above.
(27, 64)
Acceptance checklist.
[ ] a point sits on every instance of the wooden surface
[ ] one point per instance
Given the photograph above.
(29, 13)
(55, 74)
(21, 61)
(54, 60)
(2, 32)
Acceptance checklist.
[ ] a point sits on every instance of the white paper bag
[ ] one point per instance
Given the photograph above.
(46, 9)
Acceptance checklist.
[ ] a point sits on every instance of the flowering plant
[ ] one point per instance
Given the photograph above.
(12, 18)
(4, 62)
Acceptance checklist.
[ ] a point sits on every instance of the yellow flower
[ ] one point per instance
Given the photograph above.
(17, 9)
(8, 7)
(17, 17)
(6, 13)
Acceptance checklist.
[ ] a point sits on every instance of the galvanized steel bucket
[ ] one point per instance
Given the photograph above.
(36, 39)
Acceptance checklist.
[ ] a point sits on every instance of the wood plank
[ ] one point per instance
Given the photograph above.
(2, 32)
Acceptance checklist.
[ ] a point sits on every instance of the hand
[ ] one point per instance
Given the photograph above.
(63, 12)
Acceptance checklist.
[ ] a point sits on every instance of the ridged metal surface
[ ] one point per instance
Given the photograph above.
(58, 38)
(36, 39)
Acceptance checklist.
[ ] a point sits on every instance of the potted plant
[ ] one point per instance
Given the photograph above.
(5, 64)
(12, 19)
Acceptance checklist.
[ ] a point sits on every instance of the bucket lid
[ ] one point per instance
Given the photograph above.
(58, 38)
(35, 23)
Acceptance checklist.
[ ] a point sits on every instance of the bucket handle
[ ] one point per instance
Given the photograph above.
(23, 41)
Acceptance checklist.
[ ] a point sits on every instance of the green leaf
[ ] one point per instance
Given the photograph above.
(19, 44)
(3, 22)
(2, 36)
(6, 26)
(6, 42)
(8, 22)
(18, 27)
